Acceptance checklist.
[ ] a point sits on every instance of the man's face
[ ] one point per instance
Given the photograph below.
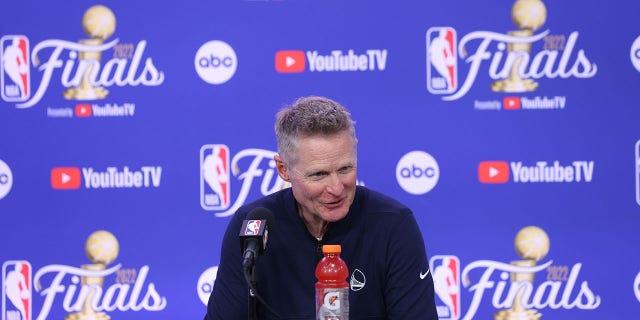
(323, 176)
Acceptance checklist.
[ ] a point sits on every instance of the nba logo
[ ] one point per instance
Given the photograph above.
(442, 60)
(214, 177)
(446, 281)
(253, 227)
(14, 70)
(16, 290)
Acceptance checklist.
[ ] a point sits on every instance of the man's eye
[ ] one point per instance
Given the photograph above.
(345, 169)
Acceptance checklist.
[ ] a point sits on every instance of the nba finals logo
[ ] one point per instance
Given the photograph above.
(508, 57)
(214, 177)
(442, 60)
(446, 281)
(247, 167)
(82, 292)
(14, 69)
(84, 71)
(517, 290)
(16, 290)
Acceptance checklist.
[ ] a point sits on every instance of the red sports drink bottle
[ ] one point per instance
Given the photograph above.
(332, 289)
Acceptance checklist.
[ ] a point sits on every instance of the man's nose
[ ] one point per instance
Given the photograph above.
(334, 184)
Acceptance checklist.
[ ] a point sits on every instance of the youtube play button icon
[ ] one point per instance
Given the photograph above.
(493, 172)
(290, 61)
(65, 178)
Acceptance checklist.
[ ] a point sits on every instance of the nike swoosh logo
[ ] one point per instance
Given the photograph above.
(424, 275)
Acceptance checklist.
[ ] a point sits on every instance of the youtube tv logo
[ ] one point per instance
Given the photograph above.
(511, 103)
(290, 61)
(493, 172)
(83, 110)
(65, 178)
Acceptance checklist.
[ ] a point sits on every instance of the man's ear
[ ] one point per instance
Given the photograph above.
(283, 172)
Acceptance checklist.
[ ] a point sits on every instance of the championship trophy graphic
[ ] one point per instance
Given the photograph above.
(99, 23)
(528, 16)
(532, 245)
(102, 248)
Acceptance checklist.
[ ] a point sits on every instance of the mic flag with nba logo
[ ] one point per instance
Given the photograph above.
(254, 233)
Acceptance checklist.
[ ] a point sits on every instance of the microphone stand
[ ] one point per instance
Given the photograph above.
(253, 302)
(250, 277)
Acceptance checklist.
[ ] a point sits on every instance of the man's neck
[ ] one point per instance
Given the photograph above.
(315, 226)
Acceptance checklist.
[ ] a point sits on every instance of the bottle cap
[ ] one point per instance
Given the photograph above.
(331, 248)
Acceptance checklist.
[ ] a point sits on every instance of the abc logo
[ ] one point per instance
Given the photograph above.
(417, 172)
(205, 284)
(6, 179)
(216, 62)
(636, 287)
(635, 53)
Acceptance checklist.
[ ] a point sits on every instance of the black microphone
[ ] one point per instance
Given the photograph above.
(254, 233)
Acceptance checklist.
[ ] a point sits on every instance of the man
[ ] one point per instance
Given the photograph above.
(381, 242)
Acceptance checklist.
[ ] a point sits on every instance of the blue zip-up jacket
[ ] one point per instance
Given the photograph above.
(381, 245)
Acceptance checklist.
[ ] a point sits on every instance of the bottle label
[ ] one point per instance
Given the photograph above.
(334, 304)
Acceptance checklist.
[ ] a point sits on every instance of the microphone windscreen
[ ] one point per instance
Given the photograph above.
(261, 213)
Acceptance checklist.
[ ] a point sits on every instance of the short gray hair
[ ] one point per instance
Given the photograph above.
(310, 116)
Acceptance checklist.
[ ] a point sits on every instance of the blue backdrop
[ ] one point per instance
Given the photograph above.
(154, 121)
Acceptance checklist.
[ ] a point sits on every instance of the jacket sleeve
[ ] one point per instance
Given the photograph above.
(229, 299)
(409, 293)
